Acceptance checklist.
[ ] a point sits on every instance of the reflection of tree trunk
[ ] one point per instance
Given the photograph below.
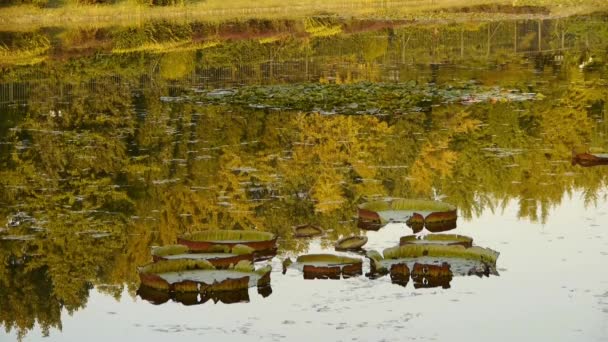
(515, 39)
(540, 31)
(489, 39)
(306, 65)
(462, 43)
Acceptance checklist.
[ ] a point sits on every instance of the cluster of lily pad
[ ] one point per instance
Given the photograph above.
(358, 98)
(432, 260)
(214, 264)
(219, 264)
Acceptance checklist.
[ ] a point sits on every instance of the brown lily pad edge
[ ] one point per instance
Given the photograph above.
(588, 159)
(264, 244)
(435, 216)
(325, 266)
(459, 260)
(219, 256)
(158, 297)
(200, 276)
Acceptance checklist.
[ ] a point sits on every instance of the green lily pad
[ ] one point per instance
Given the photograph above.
(438, 239)
(225, 256)
(307, 230)
(435, 216)
(325, 266)
(263, 243)
(349, 243)
(462, 261)
(187, 275)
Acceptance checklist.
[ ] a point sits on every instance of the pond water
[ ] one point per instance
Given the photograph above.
(117, 139)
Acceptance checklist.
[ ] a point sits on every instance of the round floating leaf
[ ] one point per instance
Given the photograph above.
(307, 230)
(438, 239)
(350, 243)
(224, 258)
(327, 266)
(434, 215)
(209, 239)
(187, 275)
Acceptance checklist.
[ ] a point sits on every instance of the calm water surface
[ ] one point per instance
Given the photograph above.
(117, 139)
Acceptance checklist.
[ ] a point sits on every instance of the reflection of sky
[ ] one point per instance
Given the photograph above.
(553, 287)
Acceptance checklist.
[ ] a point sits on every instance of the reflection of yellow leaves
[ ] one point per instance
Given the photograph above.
(330, 150)
(433, 159)
(327, 191)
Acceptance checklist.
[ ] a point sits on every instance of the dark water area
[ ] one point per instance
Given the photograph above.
(114, 140)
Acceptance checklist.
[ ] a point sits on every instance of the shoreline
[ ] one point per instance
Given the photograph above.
(28, 18)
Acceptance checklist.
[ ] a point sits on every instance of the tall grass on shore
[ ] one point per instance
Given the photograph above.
(130, 12)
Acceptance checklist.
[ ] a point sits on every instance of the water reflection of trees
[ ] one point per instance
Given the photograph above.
(119, 170)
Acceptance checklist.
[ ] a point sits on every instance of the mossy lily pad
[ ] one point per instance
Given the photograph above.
(206, 241)
(186, 275)
(326, 266)
(307, 230)
(350, 243)
(461, 260)
(223, 258)
(438, 239)
(433, 215)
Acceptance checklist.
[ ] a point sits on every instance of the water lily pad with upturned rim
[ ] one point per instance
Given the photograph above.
(307, 230)
(184, 275)
(207, 239)
(463, 261)
(349, 243)
(441, 239)
(224, 257)
(434, 215)
(327, 266)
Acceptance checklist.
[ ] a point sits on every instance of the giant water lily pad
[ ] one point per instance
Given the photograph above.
(590, 159)
(203, 241)
(433, 215)
(461, 260)
(351, 243)
(158, 297)
(223, 258)
(326, 266)
(432, 275)
(437, 239)
(186, 275)
(307, 230)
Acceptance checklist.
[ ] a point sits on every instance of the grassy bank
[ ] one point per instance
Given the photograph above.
(27, 17)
